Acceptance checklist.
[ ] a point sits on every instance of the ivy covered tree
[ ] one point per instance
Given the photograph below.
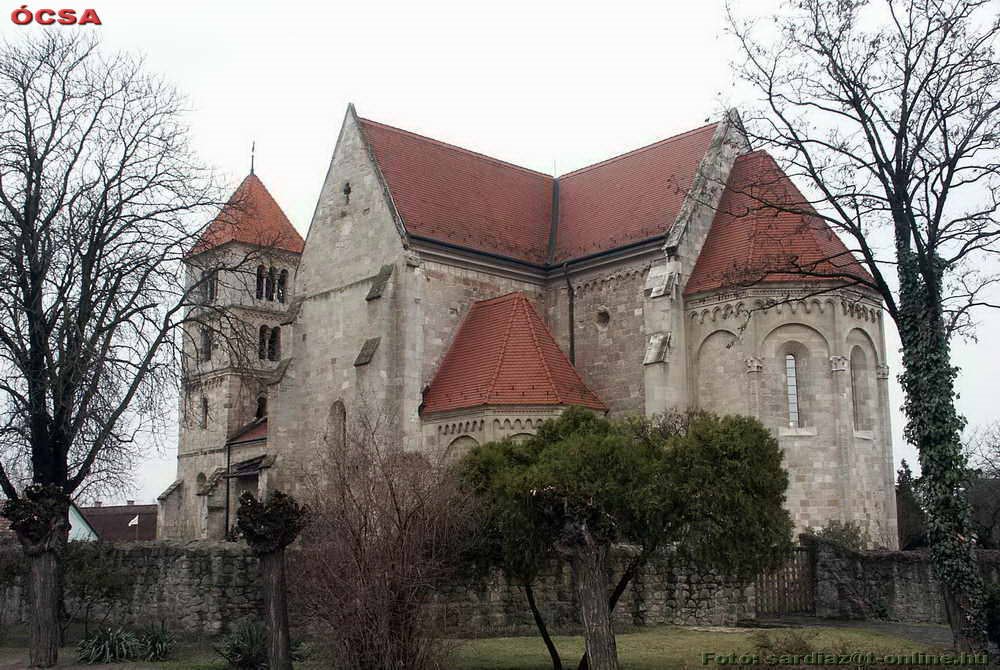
(711, 488)
(887, 115)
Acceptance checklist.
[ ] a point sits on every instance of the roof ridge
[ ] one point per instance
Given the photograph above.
(639, 150)
(455, 147)
(541, 354)
(503, 349)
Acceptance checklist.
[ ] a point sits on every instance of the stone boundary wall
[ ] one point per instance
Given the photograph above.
(663, 592)
(886, 585)
(203, 587)
(193, 587)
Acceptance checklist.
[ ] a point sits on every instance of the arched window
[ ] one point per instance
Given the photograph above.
(262, 343)
(274, 345)
(204, 412)
(792, 390)
(261, 411)
(261, 281)
(282, 285)
(859, 389)
(269, 287)
(201, 480)
(205, 346)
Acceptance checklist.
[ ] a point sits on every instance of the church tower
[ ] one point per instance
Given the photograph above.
(241, 273)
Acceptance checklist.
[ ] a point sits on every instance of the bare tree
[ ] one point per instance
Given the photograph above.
(886, 113)
(101, 199)
(386, 532)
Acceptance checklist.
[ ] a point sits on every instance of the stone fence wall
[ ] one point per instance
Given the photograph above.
(887, 585)
(203, 587)
(195, 587)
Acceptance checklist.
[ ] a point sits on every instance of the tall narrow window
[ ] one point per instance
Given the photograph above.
(204, 412)
(262, 343)
(208, 285)
(282, 285)
(261, 280)
(261, 407)
(274, 345)
(269, 287)
(792, 388)
(205, 348)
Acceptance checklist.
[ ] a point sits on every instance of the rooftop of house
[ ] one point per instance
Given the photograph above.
(463, 198)
(112, 521)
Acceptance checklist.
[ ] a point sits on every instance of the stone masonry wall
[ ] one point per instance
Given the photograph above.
(203, 587)
(193, 587)
(662, 593)
(887, 585)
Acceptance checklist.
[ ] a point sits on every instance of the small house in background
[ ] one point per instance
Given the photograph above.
(80, 530)
(122, 523)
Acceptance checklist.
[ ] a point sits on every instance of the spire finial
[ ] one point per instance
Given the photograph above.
(253, 148)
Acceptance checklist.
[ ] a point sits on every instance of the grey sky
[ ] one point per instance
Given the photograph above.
(547, 85)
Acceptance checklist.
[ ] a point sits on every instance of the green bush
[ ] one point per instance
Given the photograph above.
(848, 534)
(108, 645)
(156, 643)
(245, 647)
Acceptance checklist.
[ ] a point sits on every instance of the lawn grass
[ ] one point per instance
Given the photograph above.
(654, 648)
(663, 647)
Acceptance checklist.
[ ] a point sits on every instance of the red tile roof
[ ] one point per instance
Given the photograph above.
(630, 198)
(460, 197)
(750, 243)
(504, 355)
(255, 431)
(111, 522)
(253, 217)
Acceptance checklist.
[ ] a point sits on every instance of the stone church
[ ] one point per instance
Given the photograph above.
(465, 299)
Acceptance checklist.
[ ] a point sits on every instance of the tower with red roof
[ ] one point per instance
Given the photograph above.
(240, 278)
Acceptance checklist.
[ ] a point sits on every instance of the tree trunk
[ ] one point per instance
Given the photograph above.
(542, 628)
(45, 599)
(589, 562)
(934, 426)
(623, 583)
(279, 648)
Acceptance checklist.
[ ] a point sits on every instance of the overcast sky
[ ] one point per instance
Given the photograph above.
(552, 86)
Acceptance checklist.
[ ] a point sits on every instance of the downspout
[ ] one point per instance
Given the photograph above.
(572, 316)
(226, 527)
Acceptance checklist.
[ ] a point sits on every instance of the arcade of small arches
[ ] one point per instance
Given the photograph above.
(272, 284)
(790, 367)
(269, 343)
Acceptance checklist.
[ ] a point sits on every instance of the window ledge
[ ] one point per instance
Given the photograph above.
(864, 434)
(806, 431)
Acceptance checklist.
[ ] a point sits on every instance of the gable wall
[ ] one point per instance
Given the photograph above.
(348, 242)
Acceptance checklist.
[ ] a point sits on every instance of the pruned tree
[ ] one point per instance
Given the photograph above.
(886, 115)
(583, 485)
(101, 197)
(269, 526)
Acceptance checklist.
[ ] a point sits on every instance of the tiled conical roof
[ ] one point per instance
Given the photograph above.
(504, 355)
(253, 217)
